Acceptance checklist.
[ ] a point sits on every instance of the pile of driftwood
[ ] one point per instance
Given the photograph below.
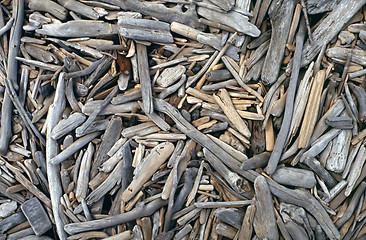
(184, 119)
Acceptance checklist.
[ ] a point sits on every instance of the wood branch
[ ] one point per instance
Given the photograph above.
(323, 34)
(12, 67)
(280, 13)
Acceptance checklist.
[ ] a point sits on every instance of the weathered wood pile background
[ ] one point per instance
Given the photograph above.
(182, 119)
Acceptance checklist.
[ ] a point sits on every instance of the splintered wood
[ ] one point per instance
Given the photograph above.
(169, 119)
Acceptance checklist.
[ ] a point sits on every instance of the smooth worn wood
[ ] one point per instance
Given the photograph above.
(145, 30)
(280, 13)
(36, 215)
(329, 28)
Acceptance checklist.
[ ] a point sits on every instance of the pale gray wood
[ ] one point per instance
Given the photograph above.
(231, 216)
(79, 8)
(337, 159)
(81, 189)
(110, 136)
(320, 6)
(231, 19)
(127, 97)
(36, 216)
(226, 5)
(291, 177)
(65, 126)
(40, 54)
(12, 68)
(53, 176)
(280, 13)
(161, 12)
(145, 81)
(79, 28)
(145, 30)
(329, 28)
(170, 75)
(20, 234)
(48, 6)
(264, 219)
(110, 109)
(77, 145)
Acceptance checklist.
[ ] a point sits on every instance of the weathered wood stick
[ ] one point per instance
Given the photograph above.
(280, 13)
(83, 179)
(355, 170)
(222, 204)
(225, 103)
(37, 216)
(12, 221)
(145, 30)
(65, 126)
(150, 165)
(264, 222)
(146, 88)
(110, 109)
(329, 28)
(231, 216)
(80, 130)
(161, 12)
(12, 68)
(48, 6)
(230, 19)
(74, 147)
(312, 108)
(79, 28)
(53, 171)
(23, 114)
(315, 165)
(288, 176)
(47, 66)
(239, 184)
(240, 80)
(141, 210)
(286, 122)
(300, 198)
(186, 153)
(352, 205)
(361, 99)
(80, 8)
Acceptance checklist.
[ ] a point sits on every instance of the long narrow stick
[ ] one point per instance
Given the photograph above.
(7, 108)
(287, 117)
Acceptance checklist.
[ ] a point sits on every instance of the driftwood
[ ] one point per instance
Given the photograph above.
(7, 107)
(183, 119)
(280, 13)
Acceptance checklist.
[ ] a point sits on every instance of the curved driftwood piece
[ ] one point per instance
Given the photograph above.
(329, 28)
(141, 210)
(286, 122)
(53, 171)
(12, 68)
